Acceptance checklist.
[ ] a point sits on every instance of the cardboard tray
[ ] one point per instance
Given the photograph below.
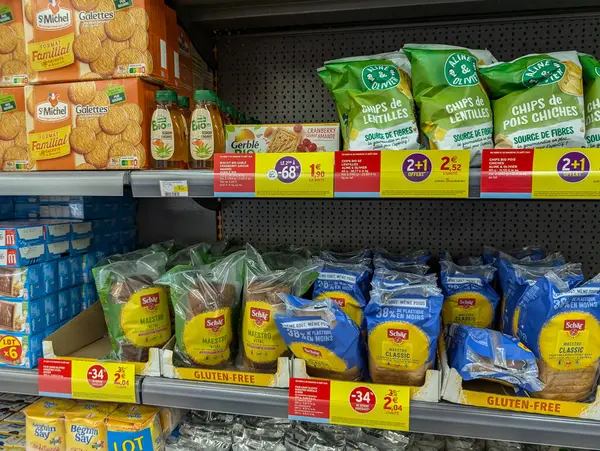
(168, 369)
(85, 337)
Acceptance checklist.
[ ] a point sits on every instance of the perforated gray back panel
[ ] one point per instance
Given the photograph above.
(462, 227)
(273, 78)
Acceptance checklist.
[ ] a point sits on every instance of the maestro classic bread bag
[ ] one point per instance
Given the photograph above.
(206, 304)
(561, 325)
(403, 327)
(320, 333)
(136, 310)
(262, 344)
(454, 108)
(537, 101)
(488, 354)
(591, 97)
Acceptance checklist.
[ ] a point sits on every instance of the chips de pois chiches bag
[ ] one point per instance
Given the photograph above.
(324, 336)
(403, 327)
(454, 108)
(537, 101)
(591, 97)
(561, 325)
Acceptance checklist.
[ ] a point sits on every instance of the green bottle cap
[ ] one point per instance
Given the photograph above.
(165, 96)
(183, 101)
(205, 96)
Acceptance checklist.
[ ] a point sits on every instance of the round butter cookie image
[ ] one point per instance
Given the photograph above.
(88, 121)
(134, 112)
(4, 57)
(130, 56)
(84, 5)
(106, 63)
(30, 104)
(101, 99)
(139, 40)
(9, 127)
(121, 27)
(90, 76)
(8, 39)
(108, 139)
(122, 149)
(14, 67)
(13, 155)
(28, 12)
(140, 152)
(82, 140)
(87, 47)
(21, 140)
(115, 46)
(98, 157)
(85, 167)
(132, 133)
(149, 62)
(140, 16)
(82, 93)
(19, 53)
(97, 29)
(115, 121)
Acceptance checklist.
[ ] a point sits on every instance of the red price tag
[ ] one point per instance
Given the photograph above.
(362, 399)
(97, 376)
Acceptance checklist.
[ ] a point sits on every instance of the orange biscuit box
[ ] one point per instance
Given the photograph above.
(13, 59)
(184, 78)
(14, 154)
(89, 125)
(69, 40)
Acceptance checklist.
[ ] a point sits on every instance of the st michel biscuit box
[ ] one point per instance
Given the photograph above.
(13, 59)
(89, 125)
(13, 130)
(69, 40)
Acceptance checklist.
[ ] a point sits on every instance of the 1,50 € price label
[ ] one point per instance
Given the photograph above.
(294, 175)
(434, 173)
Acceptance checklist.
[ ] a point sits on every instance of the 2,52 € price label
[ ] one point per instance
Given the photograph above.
(294, 175)
(435, 173)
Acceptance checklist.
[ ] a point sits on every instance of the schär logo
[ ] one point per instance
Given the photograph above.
(312, 352)
(260, 315)
(214, 324)
(378, 77)
(52, 110)
(466, 302)
(398, 335)
(574, 326)
(54, 17)
(339, 301)
(150, 301)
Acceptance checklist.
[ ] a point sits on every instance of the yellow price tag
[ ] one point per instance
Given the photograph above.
(566, 174)
(432, 173)
(370, 405)
(172, 188)
(294, 175)
(103, 381)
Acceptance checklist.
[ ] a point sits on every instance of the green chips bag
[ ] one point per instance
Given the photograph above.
(373, 93)
(537, 101)
(591, 95)
(454, 107)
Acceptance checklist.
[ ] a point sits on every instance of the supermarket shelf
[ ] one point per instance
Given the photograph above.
(147, 183)
(63, 183)
(22, 382)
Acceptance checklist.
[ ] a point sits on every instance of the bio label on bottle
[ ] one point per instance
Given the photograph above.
(162, 140)
(202, 143)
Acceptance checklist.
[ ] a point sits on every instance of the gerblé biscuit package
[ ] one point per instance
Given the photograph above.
(69, 40)
(102, 124)
(13, 59)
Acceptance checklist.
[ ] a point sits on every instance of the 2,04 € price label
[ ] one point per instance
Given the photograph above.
(410, 173)
(294, 175)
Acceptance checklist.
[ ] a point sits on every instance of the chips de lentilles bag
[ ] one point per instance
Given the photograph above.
(591, 96)
(375, 93)
(455, 111)
(537, 101)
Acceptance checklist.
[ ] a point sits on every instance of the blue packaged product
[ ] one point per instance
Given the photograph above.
(88, 261)
(27, 211)
(321, 334)
(54, 211)
(58, 249)
(51, 309)
(80, 229)
(76, 265)
(22, 316)
(469, 298)
(488, 354)
(95, 210)
(347, 284)
(387, 279)
(64, 200)
(23, 256)
(7, 210)
(81, 245)
(106, 240)
(16, 234)
(64, 276)
(64, 304)
(29, 282)
(403, 328)
(391, 259)
(104, 226)
(561, 325)
(128, 209)
(56, 230)
(126, 222)
(28, 350)
(26, 199)
(88, 294)
(360, 257)
(76, 300)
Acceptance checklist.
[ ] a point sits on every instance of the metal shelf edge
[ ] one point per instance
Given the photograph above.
(19, 381)
(64, 183)
(147, 183)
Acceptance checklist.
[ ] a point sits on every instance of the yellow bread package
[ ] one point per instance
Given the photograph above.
(134, 428)
(46, 424)
(85, 427)
(13, 59)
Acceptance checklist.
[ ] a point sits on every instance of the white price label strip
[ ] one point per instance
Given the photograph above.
(174, 188)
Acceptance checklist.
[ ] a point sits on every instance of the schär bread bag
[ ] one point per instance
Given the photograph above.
(561, 325)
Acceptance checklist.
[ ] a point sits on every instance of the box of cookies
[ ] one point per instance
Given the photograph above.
(282, 138)
(96, 124)
(30, 282)
(22, 316)
(13, 59)
(13, 130)
(28, 349)
(69, 40)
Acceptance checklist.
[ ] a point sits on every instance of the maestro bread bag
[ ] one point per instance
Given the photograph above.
(469, 298)
(591, 97)
(136, 310)
(454, 108)
(320, 333)
(403, 327)
(488, 354)
(206, 302)
(537, 101)
(561, 325)
(374, 94)
(262, 344)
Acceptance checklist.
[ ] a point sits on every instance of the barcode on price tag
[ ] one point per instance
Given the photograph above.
(174, 188)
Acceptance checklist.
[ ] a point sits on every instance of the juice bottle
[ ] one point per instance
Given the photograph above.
(206, 133)
(167, 134)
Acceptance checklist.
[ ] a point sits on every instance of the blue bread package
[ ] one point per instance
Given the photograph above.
(469, 298)
(51, 309)
(403, 326)
(29, 282)
(25, 350)
(561, 325)
(18, 233)
(64, 277)
(22, 316)
(58, 249)
(81, 245)
(321, 334)
(345, 283)
(80, 229)
(56, 230)
(64, 304)
(76, 300)
(390, 260)
(23, 256)
(488, 354)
